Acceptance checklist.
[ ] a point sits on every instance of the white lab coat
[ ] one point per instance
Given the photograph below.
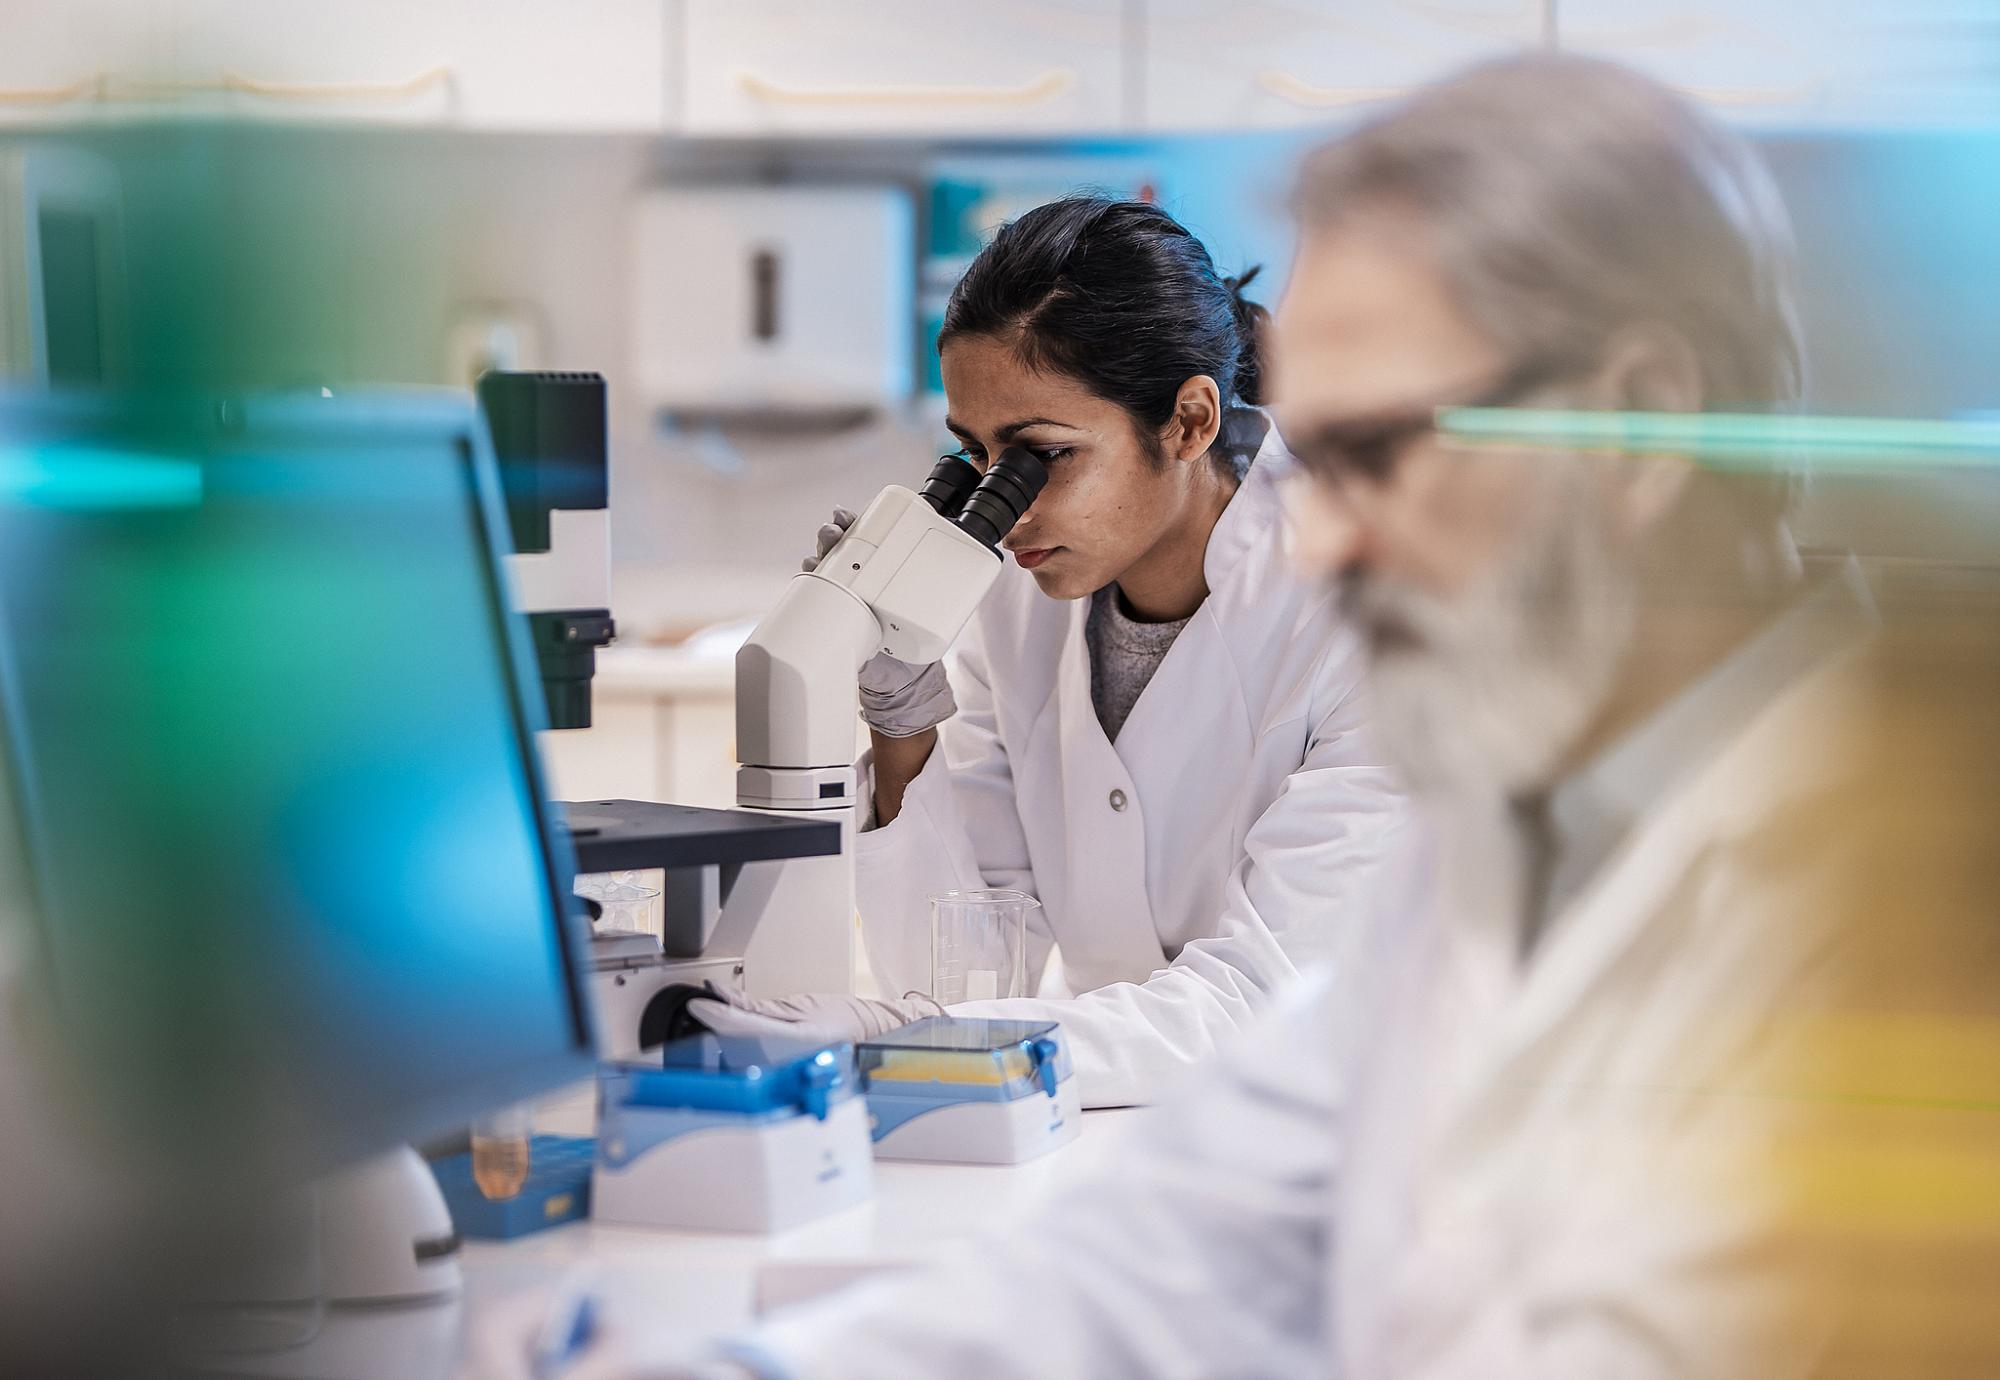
(1434, 1161)
(1186, 873)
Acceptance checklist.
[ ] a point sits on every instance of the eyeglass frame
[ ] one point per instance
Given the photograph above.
(1392, 438)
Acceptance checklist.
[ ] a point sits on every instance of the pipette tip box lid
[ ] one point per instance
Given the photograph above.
(731, 1133)
(970, 1091)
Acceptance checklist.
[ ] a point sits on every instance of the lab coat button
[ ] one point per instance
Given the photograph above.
(1118, 800)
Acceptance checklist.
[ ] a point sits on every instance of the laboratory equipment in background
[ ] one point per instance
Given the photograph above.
(776, 304)
(368, 938)
(979, 944)
(728, 913)
(749, 900)
(63, 311)
(903, 580)
(777, 887)
(970, 1091)
(765, 900)
(724, 1134)
(550, 438)
(557, 1190)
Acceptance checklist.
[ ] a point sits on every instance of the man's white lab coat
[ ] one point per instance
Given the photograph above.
(1438, 1160)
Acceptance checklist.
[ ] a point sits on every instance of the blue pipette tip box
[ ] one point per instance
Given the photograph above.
(557, 1190)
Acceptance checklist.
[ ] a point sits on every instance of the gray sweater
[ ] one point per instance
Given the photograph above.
(1124, 653)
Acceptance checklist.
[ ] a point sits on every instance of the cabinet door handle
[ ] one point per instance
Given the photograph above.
(1299, 91)
(440, 75)
(89, 88)
(1027, 93)
(115, 88)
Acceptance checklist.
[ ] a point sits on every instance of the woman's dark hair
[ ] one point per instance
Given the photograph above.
(1119, 296)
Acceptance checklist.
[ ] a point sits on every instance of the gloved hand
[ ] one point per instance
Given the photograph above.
(828, 1018)
(898, 700)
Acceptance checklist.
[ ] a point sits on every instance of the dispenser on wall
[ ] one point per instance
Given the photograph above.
(779, 303)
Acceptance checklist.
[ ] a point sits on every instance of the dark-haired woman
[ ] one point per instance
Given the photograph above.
(1151, 725)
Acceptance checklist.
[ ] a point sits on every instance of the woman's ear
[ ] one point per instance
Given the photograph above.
(1196, 421)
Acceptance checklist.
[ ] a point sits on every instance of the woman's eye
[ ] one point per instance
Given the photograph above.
(1048, 455)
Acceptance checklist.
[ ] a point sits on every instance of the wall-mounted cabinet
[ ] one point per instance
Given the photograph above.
(58, 64)
(512, 64)
(483, 64)
(1282, 63)
(926, 69)
(1881, 63)
(904, 67)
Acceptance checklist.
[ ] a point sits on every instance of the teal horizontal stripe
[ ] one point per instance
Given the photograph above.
(1739, 441)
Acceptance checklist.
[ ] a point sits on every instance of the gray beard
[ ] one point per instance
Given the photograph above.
(1489, 691)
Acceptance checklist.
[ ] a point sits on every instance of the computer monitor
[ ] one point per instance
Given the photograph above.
(269, 725)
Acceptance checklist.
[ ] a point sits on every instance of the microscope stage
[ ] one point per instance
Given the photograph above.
(630, 835)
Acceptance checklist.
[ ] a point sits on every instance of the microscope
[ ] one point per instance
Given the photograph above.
(549, 437)
(903, 580)
(549, 434)
(761, 897)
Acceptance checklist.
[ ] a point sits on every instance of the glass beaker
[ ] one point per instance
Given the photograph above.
(979, 944)
(624, 900)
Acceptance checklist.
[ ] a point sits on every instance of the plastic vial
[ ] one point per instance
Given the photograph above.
(500, 1153)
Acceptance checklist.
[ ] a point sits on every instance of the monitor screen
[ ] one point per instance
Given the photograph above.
(270, 729)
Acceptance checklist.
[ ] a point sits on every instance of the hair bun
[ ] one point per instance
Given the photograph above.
(1251, 319)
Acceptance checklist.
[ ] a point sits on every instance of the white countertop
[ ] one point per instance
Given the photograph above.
(701, 1284)
(706, 1283)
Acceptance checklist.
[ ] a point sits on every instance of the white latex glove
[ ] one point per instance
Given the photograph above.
(898, 700)
(829, 1018)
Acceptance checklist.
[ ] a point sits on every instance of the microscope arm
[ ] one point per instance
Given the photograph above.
(903, 580)
(796, 698)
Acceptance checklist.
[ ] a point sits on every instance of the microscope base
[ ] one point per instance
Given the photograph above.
(622, 995)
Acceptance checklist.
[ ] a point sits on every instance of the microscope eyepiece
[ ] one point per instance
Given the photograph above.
(951, 482)
(1002, 495)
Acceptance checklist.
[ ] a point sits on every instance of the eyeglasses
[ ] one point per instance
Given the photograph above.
(1367, 449)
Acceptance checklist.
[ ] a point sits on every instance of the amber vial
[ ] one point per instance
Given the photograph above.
(500, 1153)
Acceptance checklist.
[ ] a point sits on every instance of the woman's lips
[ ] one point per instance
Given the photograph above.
(1029, 559)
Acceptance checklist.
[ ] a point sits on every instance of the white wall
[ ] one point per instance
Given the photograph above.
(342, 257)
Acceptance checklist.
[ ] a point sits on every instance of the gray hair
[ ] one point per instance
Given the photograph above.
(1568, 197)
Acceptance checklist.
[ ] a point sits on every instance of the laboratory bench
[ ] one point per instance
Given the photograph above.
(706, 1283)
(717, 1280)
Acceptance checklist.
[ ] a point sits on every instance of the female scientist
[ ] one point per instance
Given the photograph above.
(1151, 725)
